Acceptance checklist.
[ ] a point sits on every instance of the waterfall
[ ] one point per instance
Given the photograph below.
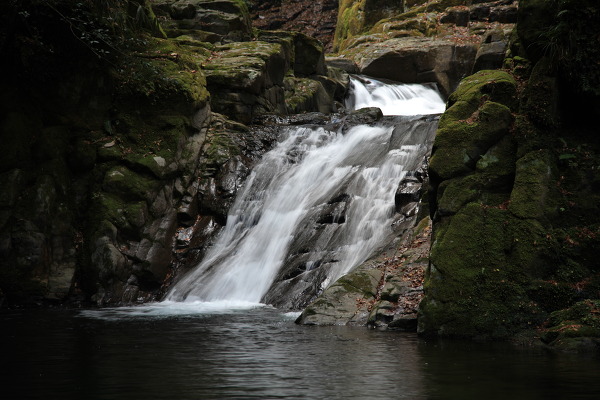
(317, 205)
(395, 99)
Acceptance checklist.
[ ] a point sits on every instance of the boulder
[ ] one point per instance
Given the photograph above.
(459, 16)
(417, 60)
(492, 51)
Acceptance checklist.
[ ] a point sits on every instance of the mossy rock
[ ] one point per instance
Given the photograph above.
(496, 86)
(129, 185)
(471, 288)
(128, 217)
(499, 160)
(165, 75)
(424, 24)
(345, 301)
(540, 100)
(575, 328)
(484, 189)
(304, 94)
(248, 66)
(460, 143)
(532, 194)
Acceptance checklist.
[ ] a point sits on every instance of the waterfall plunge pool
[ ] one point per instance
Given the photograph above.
(259, 353)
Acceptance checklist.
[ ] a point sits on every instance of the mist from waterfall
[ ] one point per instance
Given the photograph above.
(293, 182)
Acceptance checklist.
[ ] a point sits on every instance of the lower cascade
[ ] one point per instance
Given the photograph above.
(321, 202)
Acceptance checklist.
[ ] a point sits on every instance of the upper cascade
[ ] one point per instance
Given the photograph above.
(394, 99)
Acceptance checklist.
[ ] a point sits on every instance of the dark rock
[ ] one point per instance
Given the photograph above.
(309, 58)
(364, 116)
(458, 16)
(504, 14)
(406, 323)
(345, 64)
(492, 51)
(480, 12)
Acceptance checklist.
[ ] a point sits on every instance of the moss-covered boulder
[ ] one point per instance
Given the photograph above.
(478, 117)
(438, 41)
(283, 74)
(346, 301)
(576, 328)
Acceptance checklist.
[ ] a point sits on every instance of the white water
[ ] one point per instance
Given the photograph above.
(395, 99)
(167, 309)
(306, 169)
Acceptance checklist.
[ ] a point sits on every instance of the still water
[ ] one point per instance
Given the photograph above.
(259, 353)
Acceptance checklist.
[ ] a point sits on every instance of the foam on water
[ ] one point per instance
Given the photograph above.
(168, 308)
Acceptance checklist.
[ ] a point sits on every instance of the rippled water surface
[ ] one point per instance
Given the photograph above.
(259, 353)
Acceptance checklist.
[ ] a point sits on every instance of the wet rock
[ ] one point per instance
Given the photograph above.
(384, 292)
(366, 115)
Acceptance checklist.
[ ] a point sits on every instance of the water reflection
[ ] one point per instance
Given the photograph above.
(259, 353)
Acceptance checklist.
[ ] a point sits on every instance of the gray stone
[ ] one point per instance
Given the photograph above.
(418, 60)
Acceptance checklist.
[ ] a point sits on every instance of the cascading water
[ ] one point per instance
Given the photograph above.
(317, 205)
(395, 99)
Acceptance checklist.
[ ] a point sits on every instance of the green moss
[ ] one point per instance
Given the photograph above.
(492, 85)
(164, 75)
(249, 66)
(551, 295)
(127, 216)
(499, 160)
(127, 184)
(459, 144)
(531, 196)
(360, 282)
(300, 94)
(472, 288)
(581, 320)
(350, 21)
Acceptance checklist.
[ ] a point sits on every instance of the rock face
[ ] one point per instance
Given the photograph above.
(383, 292)
(508, 165)
(439, 41)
